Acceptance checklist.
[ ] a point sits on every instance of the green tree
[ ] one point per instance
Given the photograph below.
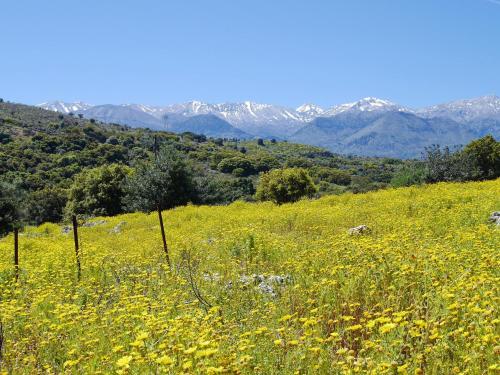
(164, 182)
(285, 185)
(98, 191)
(46, 205)
(12, 208)
(486, 154)
(446, 165)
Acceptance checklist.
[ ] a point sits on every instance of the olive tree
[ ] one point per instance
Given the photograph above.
(158, 184)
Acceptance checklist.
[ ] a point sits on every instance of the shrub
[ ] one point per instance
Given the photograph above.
(228, 165)
(98, 191)
(46, 205)
(410, 175)
(285, 185)
(334, 176)
(445, 165)
(486, 155)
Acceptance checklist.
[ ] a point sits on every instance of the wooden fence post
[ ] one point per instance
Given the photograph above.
(77, 252)
(16, 253)
(165, 248)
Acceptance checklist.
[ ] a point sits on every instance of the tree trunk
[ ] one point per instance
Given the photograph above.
(77, 250)
(164, 239)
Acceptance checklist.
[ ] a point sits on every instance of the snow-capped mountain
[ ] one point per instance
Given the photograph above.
(59, 106)
(484, 107)
(368, 104)
(254, 118)
(370, 126)
(309, 111)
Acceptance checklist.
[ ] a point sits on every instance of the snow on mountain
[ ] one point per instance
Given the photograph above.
(150, 110)
(254, 118)
(59, 106)
(465, 110)
(370, 126)
(368, 104)
(309, 112)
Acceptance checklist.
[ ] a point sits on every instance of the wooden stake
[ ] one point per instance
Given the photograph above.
(165, 248)
(16, 253)
(77, 250)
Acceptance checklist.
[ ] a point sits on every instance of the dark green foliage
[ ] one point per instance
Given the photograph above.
(98, 191)
(260, 142)
(221, 190)
(228, 165)
(299, 162)
(486, 155)
(264, 162)
(46, 205)
(5, 138)
(165, 182)
(285, 185)
(42, 151)
(332, 175)
(12, 208)
(445, 165)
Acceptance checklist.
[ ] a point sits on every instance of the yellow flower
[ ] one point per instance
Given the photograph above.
(124, 362)
(387, 327)
(164, 360)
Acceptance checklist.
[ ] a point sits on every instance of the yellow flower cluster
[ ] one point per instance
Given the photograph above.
(264, 289)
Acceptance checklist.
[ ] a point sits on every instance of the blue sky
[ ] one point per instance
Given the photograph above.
(274, 51)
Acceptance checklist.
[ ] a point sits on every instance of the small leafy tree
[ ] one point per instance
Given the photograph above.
(98, 191)
(162, 183)
(285, 185)
(12, 208)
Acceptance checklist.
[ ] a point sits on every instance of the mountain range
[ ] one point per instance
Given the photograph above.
(370, 126)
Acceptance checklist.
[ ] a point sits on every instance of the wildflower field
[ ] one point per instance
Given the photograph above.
(264, 289)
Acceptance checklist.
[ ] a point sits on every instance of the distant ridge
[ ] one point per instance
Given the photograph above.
(369, 126)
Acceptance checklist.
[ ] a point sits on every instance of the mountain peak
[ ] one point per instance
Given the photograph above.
(487, 106)
(368, 104)
(64, 107)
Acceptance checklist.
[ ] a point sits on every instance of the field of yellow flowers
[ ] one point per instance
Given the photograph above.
(264, 289)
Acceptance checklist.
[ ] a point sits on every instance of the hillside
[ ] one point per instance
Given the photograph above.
(265, 289)
(43, 151)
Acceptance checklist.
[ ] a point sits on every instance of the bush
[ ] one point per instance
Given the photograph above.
(221, 190)
(46, 205)
(285, 185)
(485, 152)
(228, 165)
(264, 162)
(98, 191)
(445, 165)
(410, 175)
(334, 176)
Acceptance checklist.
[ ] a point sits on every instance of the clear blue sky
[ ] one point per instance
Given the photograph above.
(415, 52)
